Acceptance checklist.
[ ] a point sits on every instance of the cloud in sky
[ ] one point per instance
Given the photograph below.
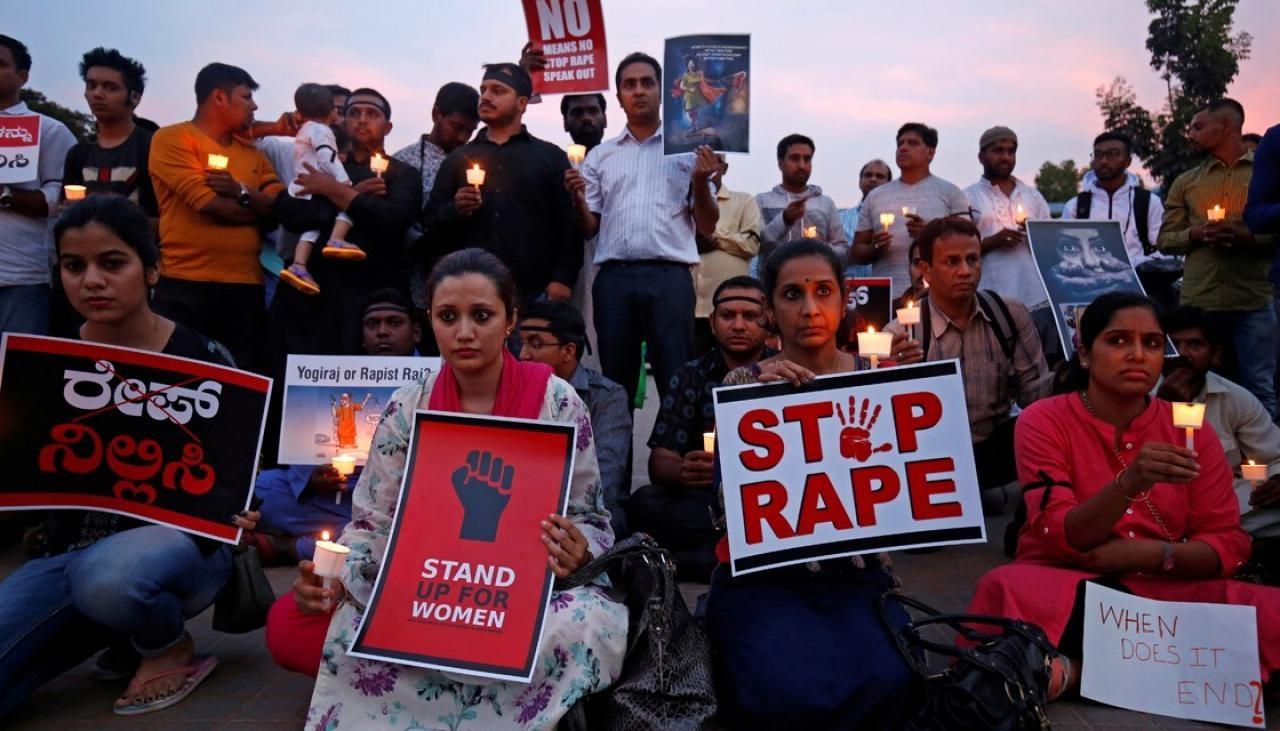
(845, 73)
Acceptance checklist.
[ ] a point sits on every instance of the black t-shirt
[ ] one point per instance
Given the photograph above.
(121, 170)
(72, 529)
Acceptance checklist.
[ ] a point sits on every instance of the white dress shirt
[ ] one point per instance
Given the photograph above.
(1011, 272)
(26, 244)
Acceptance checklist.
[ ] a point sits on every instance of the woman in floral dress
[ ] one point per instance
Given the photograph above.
(472, 312)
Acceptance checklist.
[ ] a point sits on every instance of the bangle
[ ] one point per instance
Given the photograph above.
(1123, 494)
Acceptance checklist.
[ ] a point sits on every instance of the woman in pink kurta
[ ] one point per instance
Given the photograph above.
(1111, 490)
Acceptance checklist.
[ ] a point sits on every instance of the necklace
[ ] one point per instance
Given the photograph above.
(1084, 399)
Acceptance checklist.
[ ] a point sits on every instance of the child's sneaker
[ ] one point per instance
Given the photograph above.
(338, 249)
(300, 279)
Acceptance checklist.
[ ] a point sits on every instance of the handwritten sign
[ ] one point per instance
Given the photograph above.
(164, 439)
(19, 148)
(332, 403)
(465, 585)
(1181, 659)
(571, 35)
(854, 463)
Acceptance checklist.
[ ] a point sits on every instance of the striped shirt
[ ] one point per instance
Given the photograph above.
(643, 199)
(1216, 278)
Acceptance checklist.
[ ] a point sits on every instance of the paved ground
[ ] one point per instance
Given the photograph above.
(248, 692)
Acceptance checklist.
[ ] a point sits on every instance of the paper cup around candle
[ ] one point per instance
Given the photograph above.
(709, 442)
(1188, 416)
(909, 316)
(379, 164)
(1254, 472)
(1020, 215)
(217, 162)
(475, 176)
(811, 232)
(329, 557)
(576, 153)
(74, 192)
(1216, 214)
(345, 464)
(908, 211)
(874, 345)
(886, 220)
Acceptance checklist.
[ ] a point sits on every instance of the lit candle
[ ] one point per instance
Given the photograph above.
(910, 316)
(874, 345)
(379, 164)
(74, 192)
(1216, 214)
(709, 442)
(886, 220)
(1254, 473)
(1020, 215)
(345, 464)
(811, 232)
(329, 557)
(1188, 416)
(908, 211)
(475, 176)
(577, 153)
(217, 162)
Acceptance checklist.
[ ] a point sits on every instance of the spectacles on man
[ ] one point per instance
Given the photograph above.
(537, 343)
(1108, 154)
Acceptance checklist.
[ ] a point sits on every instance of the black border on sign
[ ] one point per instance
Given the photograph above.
(854, 547)
(567, 431)
(844, 380)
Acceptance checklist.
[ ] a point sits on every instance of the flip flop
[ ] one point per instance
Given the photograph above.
(299, 279)
(343, 250)
(196, 672)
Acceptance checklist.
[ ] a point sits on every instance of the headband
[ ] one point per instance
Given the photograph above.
(511, 75)
(737, 298)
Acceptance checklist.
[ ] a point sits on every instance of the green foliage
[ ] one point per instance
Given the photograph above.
(80, 124)
(1195, 51)
(1059, 183)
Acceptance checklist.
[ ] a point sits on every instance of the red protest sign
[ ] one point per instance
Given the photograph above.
(464, 585)
(164, 439)
(19, 148)
(571, 34)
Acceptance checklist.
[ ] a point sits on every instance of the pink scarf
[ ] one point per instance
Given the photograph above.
(521, 390)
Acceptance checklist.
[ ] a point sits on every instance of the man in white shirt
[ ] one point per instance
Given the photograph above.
(645, 208)
(26, 244)
(1113, 193)
(1001, 205)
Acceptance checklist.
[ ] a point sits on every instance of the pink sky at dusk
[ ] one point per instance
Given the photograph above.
(845, 73)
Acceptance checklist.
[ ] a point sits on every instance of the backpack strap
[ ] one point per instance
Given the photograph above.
(1084, 204)
(997, 312)
(1141, 218)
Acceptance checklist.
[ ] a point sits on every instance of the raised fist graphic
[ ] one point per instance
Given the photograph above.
(483, 485)
(855, 437)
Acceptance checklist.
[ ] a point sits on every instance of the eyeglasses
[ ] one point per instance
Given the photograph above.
(538, 343)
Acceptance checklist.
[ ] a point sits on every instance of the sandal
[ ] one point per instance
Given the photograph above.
(195, 673)
(339, 249)
(300, 279)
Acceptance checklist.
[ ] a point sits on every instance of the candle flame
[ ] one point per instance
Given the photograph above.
(476, 166)
(324, 536)
(871, 328)
(1252, 463)
(910, 304)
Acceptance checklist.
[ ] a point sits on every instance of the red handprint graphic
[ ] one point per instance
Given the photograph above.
(855, 437)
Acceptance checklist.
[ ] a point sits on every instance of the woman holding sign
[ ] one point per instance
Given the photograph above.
(472, 308)
(102, 578)
(1112, 490)
(804, 646)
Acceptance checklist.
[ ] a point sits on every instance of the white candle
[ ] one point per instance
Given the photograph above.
(1020, 215)
(910, 316)
(886, 220)
(908, 211)
(811, 232)
(709, 442)
(379, 164)
(874, 345)
(217, 162)
(1254, 473)
(74, 192)
(475, 176)
(577, 153)
(1188, 416)
(345, 464)
(329, 557)
(1216, 214)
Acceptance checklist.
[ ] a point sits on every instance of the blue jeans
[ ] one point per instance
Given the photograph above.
(1252, 334)
(643, 301)
(24, 309)
(140, 584)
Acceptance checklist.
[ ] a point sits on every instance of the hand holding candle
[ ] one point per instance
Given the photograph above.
(1189, 416)
(475, 176)
(1020, 215)
(1217, 214)
(1253, 472)
(74, 192)
(910, 316)
(709, 442)
(874, 345)
(379, 164)
(217, 162)
(886, 220)
(908, 211)
(577, 153)
(345, 464)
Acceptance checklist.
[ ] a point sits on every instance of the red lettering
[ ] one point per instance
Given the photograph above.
(922, 489)
(908, 423)
(753, 429)
(808, 415)
(818, 489)
(865, 499)
(762, 502)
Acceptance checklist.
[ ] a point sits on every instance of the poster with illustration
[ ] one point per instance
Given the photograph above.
(707, 99)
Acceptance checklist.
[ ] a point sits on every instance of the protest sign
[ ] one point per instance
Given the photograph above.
(168, 440)
(332, 403)
(852, 463)
(708, 100)
(464, 585)
(1077, 261)
(19, 148)
(1181, 659)
(571, 35)
(868, 304)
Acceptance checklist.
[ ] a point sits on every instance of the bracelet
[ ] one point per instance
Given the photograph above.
(1124, 494)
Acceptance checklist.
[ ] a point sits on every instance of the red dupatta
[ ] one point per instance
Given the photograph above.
(521, 389)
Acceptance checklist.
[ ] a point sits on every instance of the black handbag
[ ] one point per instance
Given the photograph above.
(1000, 683)
(245, 600)
(666, 680)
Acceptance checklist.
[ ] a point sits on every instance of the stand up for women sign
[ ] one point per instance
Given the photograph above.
(854, 463)
(93, 427)
(571, 35)
(464, 585)
(1180, 659)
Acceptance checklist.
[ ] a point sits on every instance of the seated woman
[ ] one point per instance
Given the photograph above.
(1111, 490)
(804, 646)
(472, 306)
(103, 578)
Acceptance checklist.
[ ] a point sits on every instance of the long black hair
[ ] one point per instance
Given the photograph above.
(1095, 319)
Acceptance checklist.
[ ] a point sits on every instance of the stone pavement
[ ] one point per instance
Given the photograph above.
(249, 693)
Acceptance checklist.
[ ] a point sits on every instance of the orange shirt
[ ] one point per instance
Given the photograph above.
(194, 246)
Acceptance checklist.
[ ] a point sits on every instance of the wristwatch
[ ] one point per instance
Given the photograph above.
(1167, 561)
(6, 197)
(243, 198)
